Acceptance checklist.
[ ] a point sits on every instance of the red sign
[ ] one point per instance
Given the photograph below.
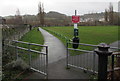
(75, 19)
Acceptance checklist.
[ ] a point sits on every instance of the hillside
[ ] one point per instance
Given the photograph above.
(53, 18)
(53, 14)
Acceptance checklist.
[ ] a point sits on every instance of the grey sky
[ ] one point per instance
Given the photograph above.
(9, 7)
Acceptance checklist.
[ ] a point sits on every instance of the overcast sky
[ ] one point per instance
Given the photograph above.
(9, 7)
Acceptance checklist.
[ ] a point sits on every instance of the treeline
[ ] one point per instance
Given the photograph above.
(108, 17)
(57, 19)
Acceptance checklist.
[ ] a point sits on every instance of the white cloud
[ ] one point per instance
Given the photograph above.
(9, 7)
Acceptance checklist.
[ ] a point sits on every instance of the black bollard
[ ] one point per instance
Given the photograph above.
(103, 53)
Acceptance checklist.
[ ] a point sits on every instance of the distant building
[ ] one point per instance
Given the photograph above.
(102, 19)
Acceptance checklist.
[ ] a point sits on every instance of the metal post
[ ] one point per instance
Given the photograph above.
(29, 55)
(94, 58)
(75, 12)
(3, 47)
(47, 62)
(103, 54)
(67, 56)
(112, 75)
(16, 51)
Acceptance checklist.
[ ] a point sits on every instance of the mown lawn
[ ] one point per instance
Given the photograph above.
(33, 36)
(89, 34)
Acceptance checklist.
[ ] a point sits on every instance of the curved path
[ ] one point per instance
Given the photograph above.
(56, 49)
(57, 61)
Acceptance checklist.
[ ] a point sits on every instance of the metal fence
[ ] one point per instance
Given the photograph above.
(37, 60)
(86, 59)
(114, 65)
(83, 59)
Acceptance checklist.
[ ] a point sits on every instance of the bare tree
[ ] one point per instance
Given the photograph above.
(111, 14)
(106, 15)
(41, 13)
(18, 17)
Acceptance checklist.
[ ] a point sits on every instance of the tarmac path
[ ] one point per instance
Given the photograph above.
(57, 61)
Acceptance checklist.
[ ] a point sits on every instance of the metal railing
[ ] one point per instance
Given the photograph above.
(83, 59)
(86, 60)
(37, 60)
(114, 65)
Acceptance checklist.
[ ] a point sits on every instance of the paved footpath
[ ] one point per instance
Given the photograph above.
(57, 61)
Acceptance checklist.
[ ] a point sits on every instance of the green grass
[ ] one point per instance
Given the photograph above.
(34, 36)
(89, 34)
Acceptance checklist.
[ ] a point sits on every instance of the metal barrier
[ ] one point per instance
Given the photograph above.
(114, 66)
(83, 59)
(37, 60)
(87, 60)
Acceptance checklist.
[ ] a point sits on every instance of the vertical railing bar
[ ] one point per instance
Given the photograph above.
(87, 65)
(67, 59)
(112, 75)
(44, 64)
(29, 55)
(94, 60)
(16, 50)
(79, 60)
(84, 61)
(41, 62)
(47, 62)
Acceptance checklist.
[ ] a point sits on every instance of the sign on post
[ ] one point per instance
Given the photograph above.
(75, 19)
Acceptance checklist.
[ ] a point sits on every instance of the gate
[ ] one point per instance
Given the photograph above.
(86, 60)
(28, 52)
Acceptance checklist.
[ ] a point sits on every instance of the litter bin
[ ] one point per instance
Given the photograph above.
(75, 40)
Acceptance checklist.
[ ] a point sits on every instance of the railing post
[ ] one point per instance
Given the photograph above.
(67, 56)
(47, 62)
(29, 55)
(112, 75)
(3, 42)
(16, 50)
(94, 62)
(103, 53)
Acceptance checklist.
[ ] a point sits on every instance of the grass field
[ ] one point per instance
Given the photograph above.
(89, 34)
(34, 36)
